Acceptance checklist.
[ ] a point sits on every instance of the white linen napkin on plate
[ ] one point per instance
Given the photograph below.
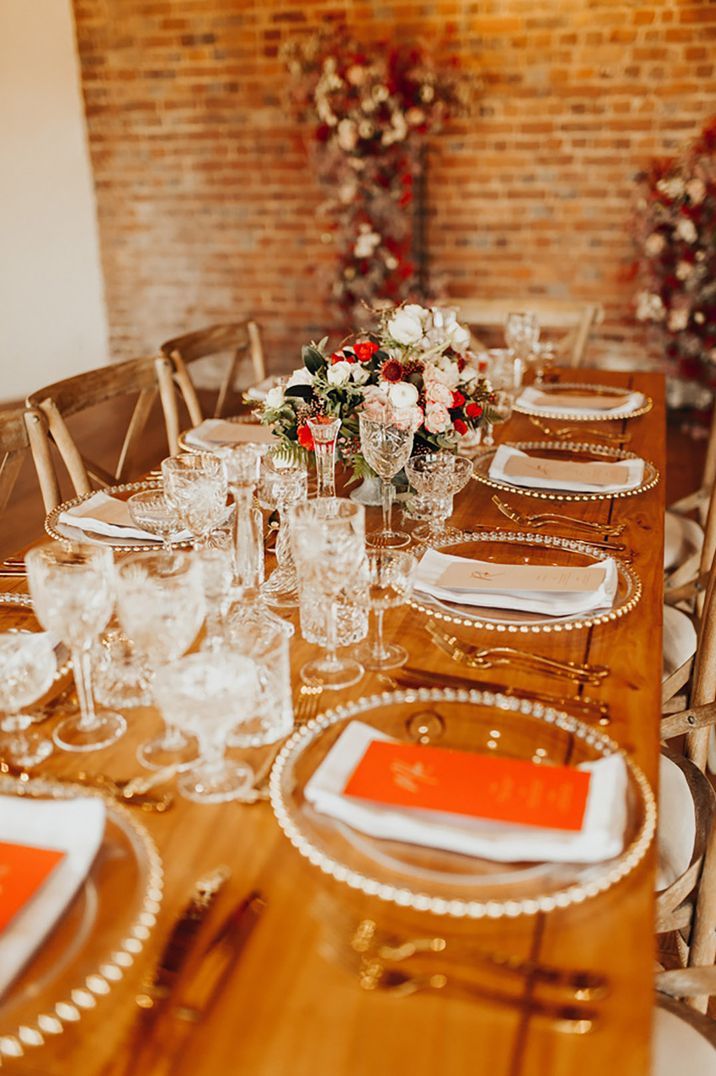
(584, 476)
(73, 826)
(217, 431)
(601, 836)
(260, 391)
(109, 516)
(510, 587)
(579, 402)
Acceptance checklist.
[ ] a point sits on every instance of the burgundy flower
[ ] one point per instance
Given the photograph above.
(392, 370)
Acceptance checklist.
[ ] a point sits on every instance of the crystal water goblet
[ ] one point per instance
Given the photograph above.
(390, 581)
(324, 430)
(438, 476)
(28, 665)
(151, 511)
(73, 591)
(206, 695)
(161, 606)
(283, 485)
(386, 441)
(328, 535)
(522, 335)
(195, 485)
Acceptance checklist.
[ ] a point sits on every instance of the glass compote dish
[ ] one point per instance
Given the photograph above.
(195, 486)
(28, 665)
(390, 580)
(328, 535)
(283, 485)
(438, 476)
(522, 335)
(151, 511)
(160, 605)
(206, 695)
(386, 441)
(72, 589)
(324, 430)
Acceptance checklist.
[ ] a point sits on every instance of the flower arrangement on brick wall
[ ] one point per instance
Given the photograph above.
(677, 255)
(371, 107)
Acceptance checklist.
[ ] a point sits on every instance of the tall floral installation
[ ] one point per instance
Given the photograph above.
(370, 108)
(417, 360)
(676, 235)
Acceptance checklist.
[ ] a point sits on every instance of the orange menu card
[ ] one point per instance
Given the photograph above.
(466, 783)
(22, 871)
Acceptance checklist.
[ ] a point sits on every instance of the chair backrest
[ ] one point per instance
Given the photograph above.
(18, 427)
(146, 378)
(571, 320)
(240, 341)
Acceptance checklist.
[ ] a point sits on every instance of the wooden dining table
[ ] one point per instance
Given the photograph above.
(291, 1005)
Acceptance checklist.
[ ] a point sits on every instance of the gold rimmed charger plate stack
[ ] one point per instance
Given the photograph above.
(584, 415)
(571, 451)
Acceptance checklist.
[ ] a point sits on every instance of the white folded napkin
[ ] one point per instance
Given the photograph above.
(109, 516)
(580, 476)
(217, 431)
(601, 836)
(579, 401)
(511, 586)
(75, 827)
(259, 391)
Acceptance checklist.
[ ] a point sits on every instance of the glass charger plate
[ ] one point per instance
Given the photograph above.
(514, 547)
(64, 532)
(98, 937)
(585, 416)
(445, 883)
(564, 450)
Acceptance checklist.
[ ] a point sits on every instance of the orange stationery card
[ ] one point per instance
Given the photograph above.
(466, 783)
(22, 871)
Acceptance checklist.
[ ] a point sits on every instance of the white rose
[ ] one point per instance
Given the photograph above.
(407, 324)
(436, 392)
(302, 376)
(359, 373)
(654, 244)
(339, 373)
(686, 230)
(403, 394)
(437, 418)
(459, 338)
(347, 135)
(274, 397)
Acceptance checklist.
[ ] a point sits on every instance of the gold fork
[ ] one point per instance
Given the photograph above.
(543, 519)
(578, 431)
(487, 657)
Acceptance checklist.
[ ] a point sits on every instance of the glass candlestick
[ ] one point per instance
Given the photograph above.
(243, 463)
(324, 431)
(283, 484)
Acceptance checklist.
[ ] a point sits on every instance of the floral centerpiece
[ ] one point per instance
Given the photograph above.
(418, 360)
(677, 256)
(371, 105)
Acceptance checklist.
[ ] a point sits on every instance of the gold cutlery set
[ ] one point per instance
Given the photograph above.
(579, 431)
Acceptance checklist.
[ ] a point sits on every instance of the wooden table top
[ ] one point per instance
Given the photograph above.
(288, 1007)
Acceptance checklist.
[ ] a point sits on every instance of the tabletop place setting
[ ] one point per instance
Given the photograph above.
(340, 623)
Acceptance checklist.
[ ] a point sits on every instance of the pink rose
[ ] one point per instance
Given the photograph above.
(437, 393)
(437, 418)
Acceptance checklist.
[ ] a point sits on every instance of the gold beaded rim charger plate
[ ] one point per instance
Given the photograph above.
(568, 415)
(567, 451)
(65, 532)
(515, 547)
(99, 935)
(448, 883)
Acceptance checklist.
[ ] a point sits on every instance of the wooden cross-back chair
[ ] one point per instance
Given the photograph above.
(18, 428)
(146, 378)
(570, 319)
(240, 340)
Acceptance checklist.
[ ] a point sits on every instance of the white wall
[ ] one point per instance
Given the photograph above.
(52, 315)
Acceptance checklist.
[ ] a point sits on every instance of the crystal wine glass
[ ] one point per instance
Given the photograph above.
(439, 476)
(195, 486)
(72, 588)
(328, 535)
(160, 605)
(27, 668)
(386, 441)
(390, 580)
(206, 695)
(151, 511)
(283, 484)
(501, 404)
(522, 335)
(324, 430)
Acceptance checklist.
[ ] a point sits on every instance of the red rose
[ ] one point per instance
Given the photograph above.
(457, 399)
(365, 350)
(460, 426)
(344, 355)
(473, 410)
(305, 437)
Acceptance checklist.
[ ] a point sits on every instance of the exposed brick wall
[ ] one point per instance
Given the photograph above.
(207, 204)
